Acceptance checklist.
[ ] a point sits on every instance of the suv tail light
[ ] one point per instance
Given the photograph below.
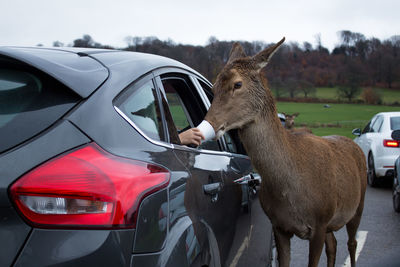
(86, 188)
(390, 143)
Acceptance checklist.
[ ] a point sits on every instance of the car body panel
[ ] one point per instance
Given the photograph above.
(47, 247)
(13, 230)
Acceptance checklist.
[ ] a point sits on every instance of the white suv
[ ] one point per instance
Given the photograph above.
(379, 149)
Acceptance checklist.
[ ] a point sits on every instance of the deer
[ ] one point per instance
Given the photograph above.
(289, 123)
(311, 186)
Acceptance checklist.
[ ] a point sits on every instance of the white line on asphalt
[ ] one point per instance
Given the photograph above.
(242, 248)
(361, 238)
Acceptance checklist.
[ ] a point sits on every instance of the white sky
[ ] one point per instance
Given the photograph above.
(30, 22)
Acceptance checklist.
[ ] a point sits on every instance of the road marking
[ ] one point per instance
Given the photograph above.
(361, 238)
(242, 248)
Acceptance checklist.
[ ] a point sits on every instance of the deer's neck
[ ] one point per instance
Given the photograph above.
(267, 143)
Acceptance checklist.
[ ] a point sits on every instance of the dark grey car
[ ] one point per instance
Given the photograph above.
(92, 172)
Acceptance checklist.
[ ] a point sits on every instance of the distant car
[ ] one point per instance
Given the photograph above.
(379, 148)
(92, 171)
(282, 118)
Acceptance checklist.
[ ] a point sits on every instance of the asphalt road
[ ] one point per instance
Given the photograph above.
(378, 235)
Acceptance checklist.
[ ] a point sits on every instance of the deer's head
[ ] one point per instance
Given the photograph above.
(289, 123)
(240, 90)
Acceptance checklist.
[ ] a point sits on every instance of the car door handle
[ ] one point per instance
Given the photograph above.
(212, 190)
(252, 180)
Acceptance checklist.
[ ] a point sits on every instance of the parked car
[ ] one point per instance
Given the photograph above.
(92, 172)
(379, 148)
(282, 118)
(396, 178)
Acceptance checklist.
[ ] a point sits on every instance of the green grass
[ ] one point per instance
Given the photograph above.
(347, 116)
(389, 96)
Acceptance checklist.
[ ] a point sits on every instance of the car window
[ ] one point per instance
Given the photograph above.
(178, 110)
(230, 144)
(366, 128)
(139, 102)
(207, 90)
(395, 123)
(185, 105)
(376, 125)
(30, 102)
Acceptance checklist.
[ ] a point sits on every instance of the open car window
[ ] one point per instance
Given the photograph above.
(185, 105)
(232, 140)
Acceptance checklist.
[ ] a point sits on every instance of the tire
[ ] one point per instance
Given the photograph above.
(371, 175)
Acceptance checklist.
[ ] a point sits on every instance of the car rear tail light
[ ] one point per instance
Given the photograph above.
(86, 188)
(390, 143)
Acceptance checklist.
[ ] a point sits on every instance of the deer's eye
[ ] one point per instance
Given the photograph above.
(237, 85)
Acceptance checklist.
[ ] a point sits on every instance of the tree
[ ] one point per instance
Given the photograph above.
(277, 86)
(306, 87)
(291, 86)
(86, 41)
(58, 44)
(371, 96)
(349, 92)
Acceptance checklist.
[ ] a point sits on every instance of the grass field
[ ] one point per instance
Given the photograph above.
(389, 96)
(342, 118)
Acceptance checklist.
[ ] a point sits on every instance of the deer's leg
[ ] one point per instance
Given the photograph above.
(282, 240)
(352, 227)
(316, 245)
(330, 248)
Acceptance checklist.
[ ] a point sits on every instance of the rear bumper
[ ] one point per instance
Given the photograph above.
(77, 248)
(384, 166)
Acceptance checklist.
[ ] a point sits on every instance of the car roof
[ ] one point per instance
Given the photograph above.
(85, 69)
(389, 114)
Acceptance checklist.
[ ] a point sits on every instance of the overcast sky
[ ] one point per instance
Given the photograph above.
(32, 22)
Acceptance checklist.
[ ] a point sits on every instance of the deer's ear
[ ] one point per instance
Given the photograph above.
(236, 52)
(262, 58)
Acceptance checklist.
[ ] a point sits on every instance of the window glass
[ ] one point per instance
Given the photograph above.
(376, 125)
(230, 143)
(366, 128)
(207, 90)
(395, 123)
(140, 104)
(185, 107)
(30, 102)
(176, 107)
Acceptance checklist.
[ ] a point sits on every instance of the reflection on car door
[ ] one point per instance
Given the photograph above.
(211, 196)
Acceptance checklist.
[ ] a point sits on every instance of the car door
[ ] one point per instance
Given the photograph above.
(212, 197)
(254, 229)
(373, 136)
(364, 139)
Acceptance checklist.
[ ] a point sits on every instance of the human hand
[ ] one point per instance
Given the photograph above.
(191, 136)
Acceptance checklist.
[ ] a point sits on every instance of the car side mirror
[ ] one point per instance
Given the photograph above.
(396, 135)
(356, 132)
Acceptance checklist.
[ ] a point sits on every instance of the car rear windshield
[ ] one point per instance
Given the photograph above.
(30, 102)
(395, 123)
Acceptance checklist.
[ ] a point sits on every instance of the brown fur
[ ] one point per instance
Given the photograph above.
(311, 186)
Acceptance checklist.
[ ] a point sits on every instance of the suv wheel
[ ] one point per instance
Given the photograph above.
(372, 180)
